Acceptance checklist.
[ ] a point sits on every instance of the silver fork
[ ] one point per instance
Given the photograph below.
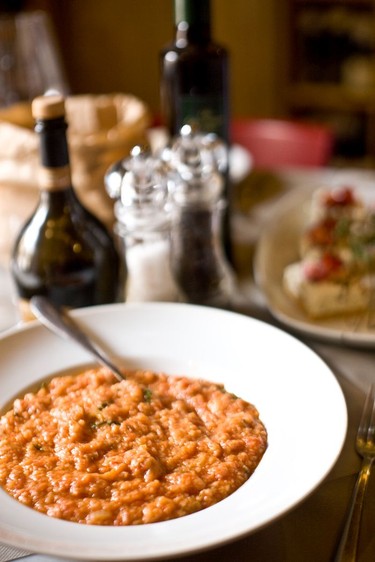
(365, 446)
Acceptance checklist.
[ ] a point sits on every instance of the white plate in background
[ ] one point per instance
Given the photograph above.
(276, 248)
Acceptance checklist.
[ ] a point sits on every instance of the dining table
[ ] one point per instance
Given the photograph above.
(310, 530)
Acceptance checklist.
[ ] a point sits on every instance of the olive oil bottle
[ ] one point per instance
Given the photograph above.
(63, 251)
(195, 73)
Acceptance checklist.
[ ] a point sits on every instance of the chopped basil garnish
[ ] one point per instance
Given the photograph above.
(147, 394)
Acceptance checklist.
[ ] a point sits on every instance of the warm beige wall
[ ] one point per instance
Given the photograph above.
(252, 30)
(113, 45)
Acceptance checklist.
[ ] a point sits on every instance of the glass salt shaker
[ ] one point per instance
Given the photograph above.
(197, 256)
(143, 226)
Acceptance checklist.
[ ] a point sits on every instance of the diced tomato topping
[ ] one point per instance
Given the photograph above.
(322, 268)
(322, 234)
(342, 197)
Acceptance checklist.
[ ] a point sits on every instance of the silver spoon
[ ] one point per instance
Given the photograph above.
(61, 323)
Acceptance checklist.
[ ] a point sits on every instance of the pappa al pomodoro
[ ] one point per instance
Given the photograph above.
(153, 447)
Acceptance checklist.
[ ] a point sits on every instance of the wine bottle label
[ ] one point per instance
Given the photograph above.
(204, 113)
(54, 178)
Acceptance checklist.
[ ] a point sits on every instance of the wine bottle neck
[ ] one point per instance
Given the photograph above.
(54, 171)
(53, 143)
(193, 21)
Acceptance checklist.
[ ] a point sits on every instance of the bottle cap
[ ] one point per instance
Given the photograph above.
(48, 107)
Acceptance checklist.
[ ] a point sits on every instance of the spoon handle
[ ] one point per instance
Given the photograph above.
(61, 323)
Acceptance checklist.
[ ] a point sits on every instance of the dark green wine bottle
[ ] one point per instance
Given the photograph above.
(194, 73)
(63, 251)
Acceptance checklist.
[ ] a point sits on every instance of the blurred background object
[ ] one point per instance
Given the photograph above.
(114, 45)
(307, 59)
(330, 74)
(194, 73)
(30, 60)
(281, 143)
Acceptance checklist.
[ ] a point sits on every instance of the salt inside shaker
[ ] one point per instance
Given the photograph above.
(143, 226)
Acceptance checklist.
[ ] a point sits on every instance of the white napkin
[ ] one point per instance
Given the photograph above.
(10, 553)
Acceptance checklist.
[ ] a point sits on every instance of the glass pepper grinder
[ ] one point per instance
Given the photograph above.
(143, 226)
(197, 256)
